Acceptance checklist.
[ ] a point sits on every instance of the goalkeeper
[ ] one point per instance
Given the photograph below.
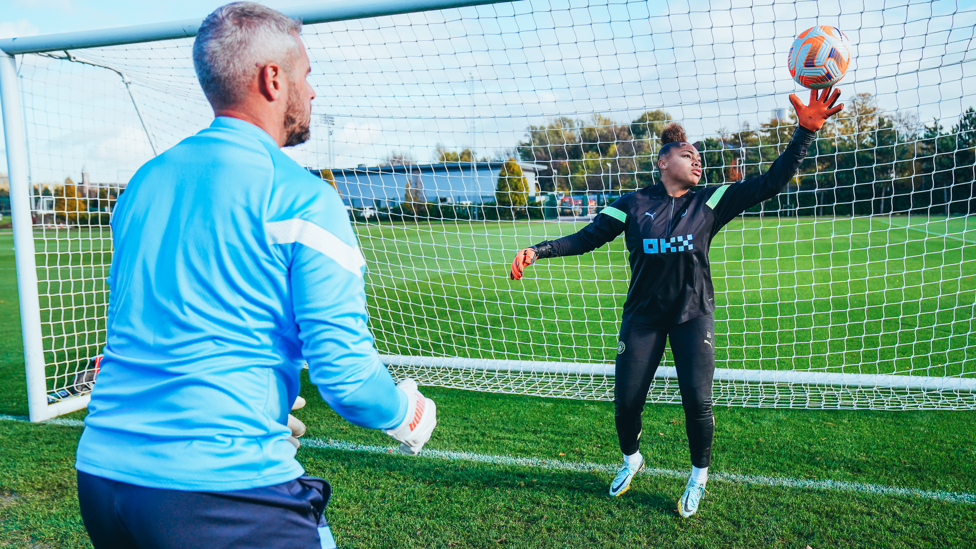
(668, 229)
(233, 266)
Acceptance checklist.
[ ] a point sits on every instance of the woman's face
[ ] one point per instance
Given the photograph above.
(683, 166)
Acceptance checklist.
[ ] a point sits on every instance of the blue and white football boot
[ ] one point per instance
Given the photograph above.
(621, 483)
(688, 504)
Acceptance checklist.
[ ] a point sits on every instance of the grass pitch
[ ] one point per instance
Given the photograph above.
(394, 501)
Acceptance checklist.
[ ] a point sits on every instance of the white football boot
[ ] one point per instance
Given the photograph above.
(621, 483)
(694, 492)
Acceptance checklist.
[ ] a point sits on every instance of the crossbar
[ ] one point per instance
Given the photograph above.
(186, 28)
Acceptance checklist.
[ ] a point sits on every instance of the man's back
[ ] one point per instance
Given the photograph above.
(203, 354)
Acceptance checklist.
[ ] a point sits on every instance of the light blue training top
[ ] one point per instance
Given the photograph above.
(233, 266)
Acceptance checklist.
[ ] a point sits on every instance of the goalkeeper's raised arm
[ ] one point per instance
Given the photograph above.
(668, 229)
(739, 197)
(233, 266)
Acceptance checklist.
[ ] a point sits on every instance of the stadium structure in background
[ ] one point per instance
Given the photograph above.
(458, 132)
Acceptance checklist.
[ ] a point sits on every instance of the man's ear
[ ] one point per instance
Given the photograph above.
(269, 81)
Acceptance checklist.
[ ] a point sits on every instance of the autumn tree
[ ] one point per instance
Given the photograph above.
(512, 191)
(68, 206)
(329, 177)
(414, 199)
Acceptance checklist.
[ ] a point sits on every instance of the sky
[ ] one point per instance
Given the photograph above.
(479, 76)
(34, 17)
(30, 17)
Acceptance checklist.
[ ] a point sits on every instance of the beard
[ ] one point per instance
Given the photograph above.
(298, 120)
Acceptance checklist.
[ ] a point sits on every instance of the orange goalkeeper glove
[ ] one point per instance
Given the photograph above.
(523, 259)
(813, 116)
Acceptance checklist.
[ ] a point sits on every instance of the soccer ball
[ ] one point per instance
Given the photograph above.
(819, 57)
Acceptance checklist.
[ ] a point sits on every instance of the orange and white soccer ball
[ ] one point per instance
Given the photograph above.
(820, 57)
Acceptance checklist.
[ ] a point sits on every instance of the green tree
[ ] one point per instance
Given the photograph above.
(965, 162)
(650, 124)
(597, 155)
(512, 191)
(441, 154)
(555, 145)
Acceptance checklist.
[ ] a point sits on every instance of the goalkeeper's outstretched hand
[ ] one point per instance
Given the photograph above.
(813, 116)
(421, 419)
(297, 427)
(523, 259)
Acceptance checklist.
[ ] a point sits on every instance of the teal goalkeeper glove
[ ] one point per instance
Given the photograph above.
(416, 428)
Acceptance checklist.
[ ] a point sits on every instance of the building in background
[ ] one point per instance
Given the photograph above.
(439, 183)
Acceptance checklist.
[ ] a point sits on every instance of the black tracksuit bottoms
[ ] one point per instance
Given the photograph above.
(639, 353)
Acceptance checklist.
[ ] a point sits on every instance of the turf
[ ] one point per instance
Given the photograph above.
(857, 295)
(395, 501)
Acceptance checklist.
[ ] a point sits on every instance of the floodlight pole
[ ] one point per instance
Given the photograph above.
(20, 210)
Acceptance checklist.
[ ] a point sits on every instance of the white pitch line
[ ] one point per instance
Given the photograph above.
(583, 467)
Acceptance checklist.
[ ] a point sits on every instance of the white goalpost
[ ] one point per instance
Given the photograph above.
(458, 132)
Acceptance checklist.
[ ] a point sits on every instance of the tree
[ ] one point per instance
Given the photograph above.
(414, 200)
(441, 154)
(577, 154)
(650, 124)
(67, 206)
(327, 176)
(512, 191)
(554, 145)
(965, 162)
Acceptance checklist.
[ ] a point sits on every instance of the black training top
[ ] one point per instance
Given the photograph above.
(668, 238)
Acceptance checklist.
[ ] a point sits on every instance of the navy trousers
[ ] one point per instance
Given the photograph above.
(639, 353)
(124, 516)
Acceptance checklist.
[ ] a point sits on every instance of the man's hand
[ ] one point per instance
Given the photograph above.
(297, 427)
(821, 108)
(421, 419)
(522, 260)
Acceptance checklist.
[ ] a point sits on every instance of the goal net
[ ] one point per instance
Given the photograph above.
(458, 136)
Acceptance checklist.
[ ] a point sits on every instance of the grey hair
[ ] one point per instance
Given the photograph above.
(234, 42)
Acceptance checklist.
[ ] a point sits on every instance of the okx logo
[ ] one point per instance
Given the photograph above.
(666, 245)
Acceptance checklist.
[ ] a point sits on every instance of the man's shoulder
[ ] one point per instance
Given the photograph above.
(288, 171)
(297, 193)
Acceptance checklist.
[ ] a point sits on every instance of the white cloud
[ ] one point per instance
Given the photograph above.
(22, 27)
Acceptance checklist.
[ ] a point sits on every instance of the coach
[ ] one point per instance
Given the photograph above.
(233, 266)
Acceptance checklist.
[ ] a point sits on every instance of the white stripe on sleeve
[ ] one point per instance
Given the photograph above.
(311, 235)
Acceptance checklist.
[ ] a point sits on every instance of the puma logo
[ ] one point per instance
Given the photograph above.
(650, 214)
(709, 343)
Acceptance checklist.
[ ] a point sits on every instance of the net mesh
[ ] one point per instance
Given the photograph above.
(458, 136)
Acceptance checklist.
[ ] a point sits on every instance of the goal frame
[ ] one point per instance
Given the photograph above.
(17, 163)
(26, 267)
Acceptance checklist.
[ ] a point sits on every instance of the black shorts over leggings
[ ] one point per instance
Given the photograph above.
(639, 353)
